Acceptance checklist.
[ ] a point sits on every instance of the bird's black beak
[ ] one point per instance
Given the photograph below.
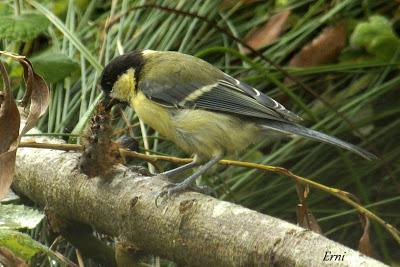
(110, 102)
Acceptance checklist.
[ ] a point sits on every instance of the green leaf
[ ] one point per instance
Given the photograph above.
(376, 36)
(5, 9)
(384, 47)
(22, 245)
(18, 217)
(53, 66)
(70, 35)
(283, 3)
(22, 28)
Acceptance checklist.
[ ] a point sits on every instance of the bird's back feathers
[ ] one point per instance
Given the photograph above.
(183, 81)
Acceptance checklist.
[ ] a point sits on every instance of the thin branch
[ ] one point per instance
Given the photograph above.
(343, 195)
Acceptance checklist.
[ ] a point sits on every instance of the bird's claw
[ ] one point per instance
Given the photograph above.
(165, 192)
(172, 189)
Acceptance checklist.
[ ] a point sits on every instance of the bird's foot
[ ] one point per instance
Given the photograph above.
(172, 189)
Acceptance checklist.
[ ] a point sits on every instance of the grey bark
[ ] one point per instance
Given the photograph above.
(191, 229)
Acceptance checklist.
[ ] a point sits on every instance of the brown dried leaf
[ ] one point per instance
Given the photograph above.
(364, 245)
(312, 223)
(325, 48)
(9, 114)
(269, 32)
(9, 128)
(37, 93)
(300, 212)
(305, 218)
(7, 167)
(306, 191)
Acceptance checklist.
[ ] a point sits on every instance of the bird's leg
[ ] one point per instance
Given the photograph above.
(176, 171)
(188, 182)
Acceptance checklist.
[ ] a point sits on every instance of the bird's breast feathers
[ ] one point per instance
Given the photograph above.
(197, 131)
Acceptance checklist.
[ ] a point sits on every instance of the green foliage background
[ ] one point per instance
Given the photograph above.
(68, 46)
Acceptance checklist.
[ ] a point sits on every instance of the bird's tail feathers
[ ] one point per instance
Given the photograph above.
(290, 128)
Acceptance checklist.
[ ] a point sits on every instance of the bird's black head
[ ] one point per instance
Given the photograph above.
(119, 66)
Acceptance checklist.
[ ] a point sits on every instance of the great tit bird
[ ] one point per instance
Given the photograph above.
(204, 111)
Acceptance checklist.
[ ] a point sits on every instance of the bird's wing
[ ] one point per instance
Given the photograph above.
(224, 94)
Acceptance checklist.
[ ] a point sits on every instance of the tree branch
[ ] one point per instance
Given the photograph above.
(190, 229)
(153, 159)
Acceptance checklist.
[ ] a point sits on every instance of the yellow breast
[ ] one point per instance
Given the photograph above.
(208, 133)
(156, 116)
(202, 132)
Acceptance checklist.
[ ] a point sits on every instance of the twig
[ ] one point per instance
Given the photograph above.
(343, 195)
